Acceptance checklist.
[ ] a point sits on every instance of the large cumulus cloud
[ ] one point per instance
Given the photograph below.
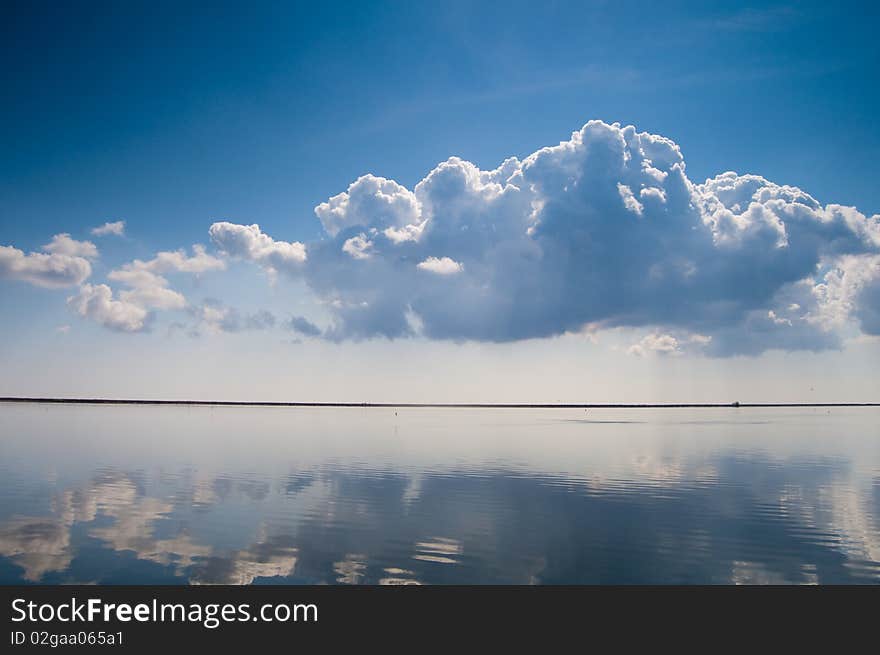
(604, 230)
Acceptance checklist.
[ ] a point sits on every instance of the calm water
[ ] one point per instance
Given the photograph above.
(240, 495)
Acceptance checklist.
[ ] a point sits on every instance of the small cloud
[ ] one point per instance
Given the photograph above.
(63, 244)
(303, 326)
(97, 303)
(63, 329)
(52, 271)
(441, 266)
(147, 289)
(177, 261)
(117, 228)
(778, 320)
(661, 344)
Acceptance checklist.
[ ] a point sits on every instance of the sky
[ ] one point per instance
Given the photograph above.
(440, 202)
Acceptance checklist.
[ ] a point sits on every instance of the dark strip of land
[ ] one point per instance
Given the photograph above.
(249, 403)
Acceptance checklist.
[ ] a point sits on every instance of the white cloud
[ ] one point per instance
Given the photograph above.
(657, 343)
(249, 242)
(52, 271)
(630, 201)
(63, 244)
(178, 261)
(662, 344)
(358, 246)
(96, 302)
(147, 289)
(136, 277)
(849, 288)
(778, 320)
(370, 200)
(441, 266)
(154, 297)
(604, 229)
(116, 228)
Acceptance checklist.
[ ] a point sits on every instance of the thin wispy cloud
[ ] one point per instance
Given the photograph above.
(116, 228)
(753, 19)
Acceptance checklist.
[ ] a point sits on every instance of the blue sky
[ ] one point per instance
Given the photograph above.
(173, 120)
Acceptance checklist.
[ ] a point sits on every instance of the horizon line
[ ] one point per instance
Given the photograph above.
(269, 403)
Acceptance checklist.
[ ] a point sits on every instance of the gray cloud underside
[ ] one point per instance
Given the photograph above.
(603, 230)
(213, 316)
(303, 326)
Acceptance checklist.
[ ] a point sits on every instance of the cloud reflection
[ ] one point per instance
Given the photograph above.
(730, 517)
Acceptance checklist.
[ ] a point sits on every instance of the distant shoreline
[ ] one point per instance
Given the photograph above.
(247, 403)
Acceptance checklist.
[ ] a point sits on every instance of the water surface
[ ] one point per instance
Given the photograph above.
(197, 495)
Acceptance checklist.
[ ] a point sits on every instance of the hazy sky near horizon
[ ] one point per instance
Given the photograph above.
(577, 202)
